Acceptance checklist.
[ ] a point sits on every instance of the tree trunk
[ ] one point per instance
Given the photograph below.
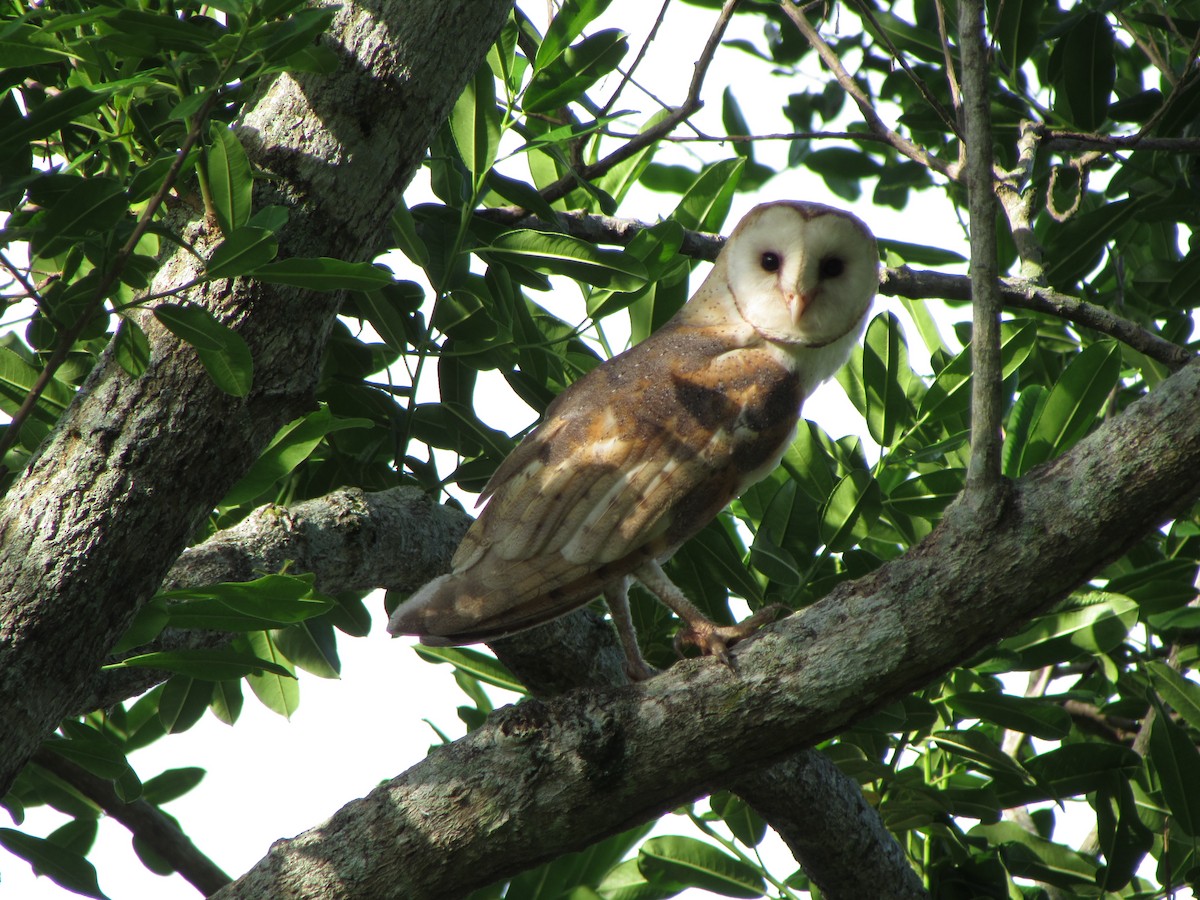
(90, 529)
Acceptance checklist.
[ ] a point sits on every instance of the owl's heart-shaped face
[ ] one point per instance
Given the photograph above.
(801, 273)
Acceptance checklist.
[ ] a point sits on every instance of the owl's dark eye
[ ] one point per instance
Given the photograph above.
(770, 261)
(831, 267)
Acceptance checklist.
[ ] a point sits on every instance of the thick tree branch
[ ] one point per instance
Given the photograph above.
(545, 777)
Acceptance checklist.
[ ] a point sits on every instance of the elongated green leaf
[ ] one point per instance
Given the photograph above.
(48, 117)
(312, 646)
(292, 444)
(887, 378)
(1182, 694)
(626, 882)
(1017, 28)
(206, 665)
(222, 350)
(1040, 718)
(478, 665)
(17, 378)
(64, 867)
(1089, 70)
(91, 206)
(568, 23)
(475, 123)
(242, 252)
(565, 255)
(171, 784)
(949, 393)
(1124, 839)
(1097, 627)
(22, 45)
(1030, 855)
(926, 496)
(275, 686)
(1025, 413)
(691, 862)
(747, 826)
(90, 749)
(705, 204)
(1074, 404)
(981, 750)
(230, 181)
(1177, 763)
(323, 273)
(851, 510)
(575, 70)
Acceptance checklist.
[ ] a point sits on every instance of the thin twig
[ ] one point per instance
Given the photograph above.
(983, 469)
(1072, 141)
(866, 137)
(690, 105)
(68, 338)
(144, 820)
(850, 86)
(902, 281)
(627, 75)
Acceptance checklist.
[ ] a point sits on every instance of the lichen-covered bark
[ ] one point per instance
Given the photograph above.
(96, 521)
(546, 777)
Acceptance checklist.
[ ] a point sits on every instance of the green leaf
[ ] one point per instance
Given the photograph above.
(887, 378)
(568, 23)
(205, 665)
(171, 784)
(47, 118)
(1040, 718)
(90, 749)
(242, 252)
(851, 511)
(1074, 769)
(1075, 403)
(17, 378)
(64, 867)
(1089, 70)
(561, 254)
(266, 602)
(323, 273)
(706, 202)
(1028, 855)
(575, 70)
(696, 864)
(1021, 419)
(478, 665)
(132, 347)
(222, 350)
(1017, 29)
(1096, 627)
(230, 181)
(22, 45)
(746, 825)
(91, 206)
(292, 445)
(1181, 694)
(312, 646)
(475, 123)
(275, 686)
(949, 393)
(981, 750)
(1177, 762)
(928, 495)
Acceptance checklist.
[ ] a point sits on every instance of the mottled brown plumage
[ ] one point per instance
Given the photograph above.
(638, 455)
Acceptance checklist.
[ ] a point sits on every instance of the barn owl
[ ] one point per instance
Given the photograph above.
(642, 452)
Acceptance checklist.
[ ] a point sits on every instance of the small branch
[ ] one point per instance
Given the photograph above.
(850, 86)
(145, 821)
(983, 470)
(862, 137)
(915, 284)
(690, 105)
(1073, 141)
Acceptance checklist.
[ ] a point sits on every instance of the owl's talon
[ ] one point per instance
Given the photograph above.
(714, 640)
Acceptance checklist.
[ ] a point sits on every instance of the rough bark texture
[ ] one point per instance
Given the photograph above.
(96, 521)
(546, 777)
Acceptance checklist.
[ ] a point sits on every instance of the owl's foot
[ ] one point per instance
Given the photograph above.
(712, 639)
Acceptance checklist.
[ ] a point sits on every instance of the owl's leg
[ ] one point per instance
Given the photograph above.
(710, 638)
(616, 595)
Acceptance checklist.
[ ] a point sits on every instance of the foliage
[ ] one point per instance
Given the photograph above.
(109, 108)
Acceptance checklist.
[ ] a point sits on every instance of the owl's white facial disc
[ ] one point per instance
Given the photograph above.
(802, 273)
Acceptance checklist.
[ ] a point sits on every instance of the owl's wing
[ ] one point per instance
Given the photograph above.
(630, 462)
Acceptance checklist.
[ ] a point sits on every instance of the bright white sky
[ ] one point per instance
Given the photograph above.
(262, 782)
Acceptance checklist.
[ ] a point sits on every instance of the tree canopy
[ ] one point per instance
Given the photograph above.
(229, 423)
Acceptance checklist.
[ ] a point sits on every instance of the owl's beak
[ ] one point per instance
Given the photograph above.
(796, 302)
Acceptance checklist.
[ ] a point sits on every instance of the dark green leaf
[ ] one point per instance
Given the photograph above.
(1089, 70)
(242, 252)
(1040, 718)
(1177, 762)
(851, 510)
(568, 23)
(1074, 405)
(323, 273)
(206, 665)
(229, 178)
(275, 686)
(171, 784)
(697, 864)
(565, 255)
(475, 123)
(578, 67)
(221, 349)
(62, 866)
(887, 379)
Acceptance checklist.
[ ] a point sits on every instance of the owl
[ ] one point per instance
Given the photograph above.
(643, 451)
